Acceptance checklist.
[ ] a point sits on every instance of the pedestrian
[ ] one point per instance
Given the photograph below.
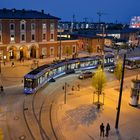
(13, 64)
(4, 63)
(1, 88)
(102, 130)
(107, 130)
(72, 88)
(78, 86)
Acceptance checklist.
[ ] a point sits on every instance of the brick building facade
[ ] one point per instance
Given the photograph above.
(26, 34)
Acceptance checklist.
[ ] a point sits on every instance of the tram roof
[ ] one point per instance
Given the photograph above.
(59, 63)
(133, 58)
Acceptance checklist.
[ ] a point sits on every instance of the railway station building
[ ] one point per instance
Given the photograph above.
(26, 34)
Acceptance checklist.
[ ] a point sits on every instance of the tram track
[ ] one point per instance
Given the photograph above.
(42, 132)
(26, 122)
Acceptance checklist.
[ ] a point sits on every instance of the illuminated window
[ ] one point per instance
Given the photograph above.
(52, 26)
(44, 26)
(12, 37)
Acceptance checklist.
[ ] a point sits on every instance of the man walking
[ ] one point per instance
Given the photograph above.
(107, 130)
(102, 130)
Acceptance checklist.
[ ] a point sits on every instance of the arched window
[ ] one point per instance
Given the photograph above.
(22, 25)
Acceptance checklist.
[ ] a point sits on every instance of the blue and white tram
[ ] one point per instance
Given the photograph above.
(37, 78)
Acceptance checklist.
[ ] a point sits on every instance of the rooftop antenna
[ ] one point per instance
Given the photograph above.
(100, 15)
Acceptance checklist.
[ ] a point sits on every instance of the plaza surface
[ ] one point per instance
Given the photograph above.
(79, 118)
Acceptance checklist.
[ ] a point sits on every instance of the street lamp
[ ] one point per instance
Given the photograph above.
(65, 93)
(120, 95)
(60, 49)
(0, 67)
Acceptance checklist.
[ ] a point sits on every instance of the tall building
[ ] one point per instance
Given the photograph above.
(26, 34)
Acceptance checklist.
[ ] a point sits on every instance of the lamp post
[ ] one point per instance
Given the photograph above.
(60, 49)
(0, 66)
(65, 92)
(120, 95)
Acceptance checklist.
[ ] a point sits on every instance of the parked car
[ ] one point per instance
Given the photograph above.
(111, 69)
(86, 74)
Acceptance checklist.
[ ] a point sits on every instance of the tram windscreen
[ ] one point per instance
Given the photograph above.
(30, 83)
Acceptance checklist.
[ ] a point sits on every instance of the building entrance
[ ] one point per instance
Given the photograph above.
(33, 52)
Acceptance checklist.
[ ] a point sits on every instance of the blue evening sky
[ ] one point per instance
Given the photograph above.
(120, 10)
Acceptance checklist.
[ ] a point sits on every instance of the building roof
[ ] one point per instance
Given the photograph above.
(24, 14)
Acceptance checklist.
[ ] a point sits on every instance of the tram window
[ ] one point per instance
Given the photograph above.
(111, 60)
(28, 83)
(50, 73)
(38, 81)
(72, 66)
(59, 69)
(105, 61)
(46, 75)
(34, 85)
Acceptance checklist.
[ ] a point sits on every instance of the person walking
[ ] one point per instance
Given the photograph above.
(107, 130)
(72, 88)
(13, 64)
(78, 86)
(102, 130)
(1, 88)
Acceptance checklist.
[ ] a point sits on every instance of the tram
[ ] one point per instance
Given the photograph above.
(37, 78)
(132, 62)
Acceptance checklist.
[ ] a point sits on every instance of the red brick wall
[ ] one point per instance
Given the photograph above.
(38, 30)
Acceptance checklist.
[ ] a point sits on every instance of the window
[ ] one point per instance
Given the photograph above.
(12, 26)
(52, 26)
(33, 37)
(12, 37)
(22, 26)
(0, 38)
(22, 37)
(33, 26)
(0, 27)
(44, 26)
(52, 36)
(74, 49)
(44, 37)
(52, 51)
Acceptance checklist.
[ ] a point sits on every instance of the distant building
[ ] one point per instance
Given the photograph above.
(90, 43)
(26, 34)
(135, 22)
